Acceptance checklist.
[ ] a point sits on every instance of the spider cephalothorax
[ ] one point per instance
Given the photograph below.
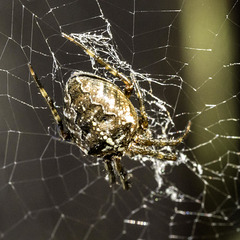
(102, 121)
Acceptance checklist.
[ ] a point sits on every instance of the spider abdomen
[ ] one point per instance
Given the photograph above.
(99, 117)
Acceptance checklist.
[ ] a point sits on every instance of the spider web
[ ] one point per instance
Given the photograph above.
(183, 54)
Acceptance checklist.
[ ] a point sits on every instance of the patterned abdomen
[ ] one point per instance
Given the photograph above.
(100, 118)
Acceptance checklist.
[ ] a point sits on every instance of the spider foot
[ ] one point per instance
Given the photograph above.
(126, 185)
(111, 179)
(110, 171)
(123, 175)
(125, 181)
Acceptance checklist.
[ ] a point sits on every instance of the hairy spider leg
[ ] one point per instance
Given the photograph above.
(162, 142)
(108, 67)
(49, 101)
(137, 149)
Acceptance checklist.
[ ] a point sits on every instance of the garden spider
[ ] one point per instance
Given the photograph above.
(102, 121)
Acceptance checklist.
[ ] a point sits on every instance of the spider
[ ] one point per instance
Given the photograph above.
(101, 120)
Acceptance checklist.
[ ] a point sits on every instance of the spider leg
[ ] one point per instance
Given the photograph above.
(144, 119)
(108, 67)
(136, 149)
(109, 168)
(162, 142)
(57, 118)
(123, 175)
